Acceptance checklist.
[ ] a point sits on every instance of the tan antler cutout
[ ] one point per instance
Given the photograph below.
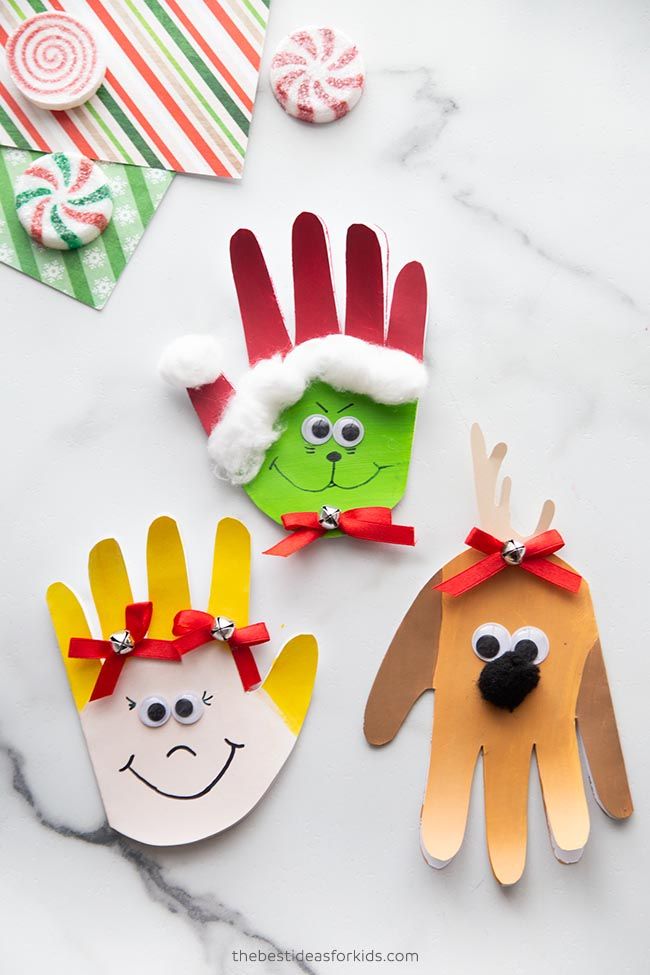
(494, 503)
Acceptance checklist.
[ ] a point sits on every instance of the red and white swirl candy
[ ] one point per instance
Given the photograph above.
(63, 200)
(53, 61)
(317, 74)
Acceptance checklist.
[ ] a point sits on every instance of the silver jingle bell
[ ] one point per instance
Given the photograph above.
(329, 517)
(222, 628)
(513, 552)
(122, 642)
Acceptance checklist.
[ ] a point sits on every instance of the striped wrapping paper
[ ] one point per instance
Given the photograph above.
(178, 92)
(91, 272)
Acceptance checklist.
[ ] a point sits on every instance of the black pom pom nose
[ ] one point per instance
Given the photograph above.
(508, 680)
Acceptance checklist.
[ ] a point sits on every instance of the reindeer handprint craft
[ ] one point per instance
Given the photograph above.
(506, 635)
(184, 736)
(319, 430)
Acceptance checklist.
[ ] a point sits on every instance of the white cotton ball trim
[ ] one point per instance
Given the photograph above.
(248, 428)
(191, 361)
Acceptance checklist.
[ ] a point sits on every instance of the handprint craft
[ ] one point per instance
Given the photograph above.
(506, 636)
(184, 736)
(319, 431)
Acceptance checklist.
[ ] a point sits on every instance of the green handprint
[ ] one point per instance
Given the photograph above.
(326, 420)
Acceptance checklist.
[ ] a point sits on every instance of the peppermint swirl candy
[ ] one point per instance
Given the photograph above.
(317, 74)
(63, 200)
(54, 62)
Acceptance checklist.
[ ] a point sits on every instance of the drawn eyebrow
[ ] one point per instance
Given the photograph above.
(131, 703)
(345, 407)
(323, 408)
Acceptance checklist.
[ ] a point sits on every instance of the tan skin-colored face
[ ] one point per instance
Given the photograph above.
(175, 782)
(167, 782)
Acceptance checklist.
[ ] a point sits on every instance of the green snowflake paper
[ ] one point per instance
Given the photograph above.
(90, 273)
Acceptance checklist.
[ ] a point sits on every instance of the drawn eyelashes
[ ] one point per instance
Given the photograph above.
(187, 708)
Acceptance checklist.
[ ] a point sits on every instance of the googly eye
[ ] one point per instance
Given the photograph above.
(187, 708)
(154, 712)
(348, 431)
(531, 642)
(316, 429)
(490, 640)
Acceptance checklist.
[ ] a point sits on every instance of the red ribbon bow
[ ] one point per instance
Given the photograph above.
(368, 524)
(137, 618)
(533, 559)
(194, 628)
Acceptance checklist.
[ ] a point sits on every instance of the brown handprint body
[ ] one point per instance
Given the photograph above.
(515, 661)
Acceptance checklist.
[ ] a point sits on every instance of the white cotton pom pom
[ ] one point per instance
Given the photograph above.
(191, 361)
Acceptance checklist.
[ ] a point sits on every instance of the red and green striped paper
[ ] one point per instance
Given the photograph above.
(90, 273)
(179, 89)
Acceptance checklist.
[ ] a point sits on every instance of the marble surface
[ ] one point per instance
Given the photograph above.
(505, 145)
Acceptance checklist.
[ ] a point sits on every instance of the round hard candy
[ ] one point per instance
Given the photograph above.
(317, 74)
(63, 200)
(53, 61)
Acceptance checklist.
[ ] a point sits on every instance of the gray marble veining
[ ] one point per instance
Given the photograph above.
(506, 146)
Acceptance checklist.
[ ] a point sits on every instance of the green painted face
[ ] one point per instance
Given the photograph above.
(339, 449)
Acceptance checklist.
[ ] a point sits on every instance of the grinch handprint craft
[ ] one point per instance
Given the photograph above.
(319, 430)
(183, 734)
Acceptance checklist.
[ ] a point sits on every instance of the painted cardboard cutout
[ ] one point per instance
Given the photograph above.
(449, 642)
(179, 748)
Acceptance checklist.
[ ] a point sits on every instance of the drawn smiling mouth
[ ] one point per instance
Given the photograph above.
(197, 795)
(331, 483)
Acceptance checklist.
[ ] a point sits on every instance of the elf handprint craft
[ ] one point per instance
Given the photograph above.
(318, 431)
(506, 635)
(183, 734)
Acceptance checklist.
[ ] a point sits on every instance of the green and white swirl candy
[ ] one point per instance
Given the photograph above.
(63, 200)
